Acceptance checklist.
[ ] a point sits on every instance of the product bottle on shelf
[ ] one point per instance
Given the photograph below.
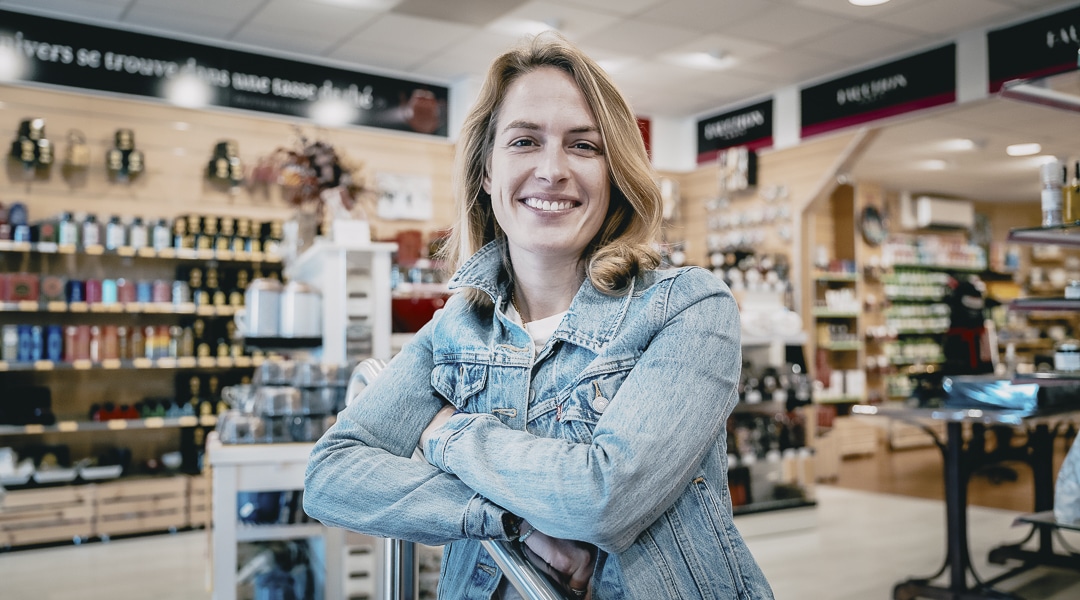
(208, 237)
(202, 345)
(194, 230)
(138, 343)
(91, 232)
(1071, 197)
(236, 295)
(115, 235)
(138, 237)
(182, 239)
(162, 236)
(1052, 176)
(242, 240)
(187, 342)
(68, 230)
(217, 295)
(224, 240)
(199, 294)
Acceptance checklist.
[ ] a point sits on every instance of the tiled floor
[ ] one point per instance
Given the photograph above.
(862, 545)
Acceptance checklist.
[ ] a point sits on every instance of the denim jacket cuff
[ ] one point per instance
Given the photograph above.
(483, 520)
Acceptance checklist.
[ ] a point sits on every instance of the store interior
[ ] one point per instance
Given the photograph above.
(165, 379)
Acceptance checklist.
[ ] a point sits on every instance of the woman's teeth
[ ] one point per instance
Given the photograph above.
(548, 205)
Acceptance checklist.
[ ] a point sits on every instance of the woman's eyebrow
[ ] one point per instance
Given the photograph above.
(534, 127)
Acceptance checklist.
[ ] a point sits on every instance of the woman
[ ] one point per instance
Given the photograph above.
(569, 395)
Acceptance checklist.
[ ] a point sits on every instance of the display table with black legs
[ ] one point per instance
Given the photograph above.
(956, 579)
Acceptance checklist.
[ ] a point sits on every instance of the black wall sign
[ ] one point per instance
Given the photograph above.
(751, 126)
(1037, 48)
(905, 85)
(43, 50)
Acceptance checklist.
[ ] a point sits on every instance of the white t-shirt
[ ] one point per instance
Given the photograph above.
(541, 330)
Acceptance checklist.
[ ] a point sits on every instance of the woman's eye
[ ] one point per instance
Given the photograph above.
(521, 143)
(587, 146)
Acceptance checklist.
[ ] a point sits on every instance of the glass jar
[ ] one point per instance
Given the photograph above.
(1067, 356)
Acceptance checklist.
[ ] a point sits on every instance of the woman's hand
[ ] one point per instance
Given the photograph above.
(437, 421)
(568, 562)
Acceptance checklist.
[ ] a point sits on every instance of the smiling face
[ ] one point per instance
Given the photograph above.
(547, 174)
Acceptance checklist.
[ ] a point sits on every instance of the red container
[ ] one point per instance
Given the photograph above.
(22, 287)
(411, 313)
(71, 343)
(93, 291)
(125, 291)
(82, 342)
(162, 291)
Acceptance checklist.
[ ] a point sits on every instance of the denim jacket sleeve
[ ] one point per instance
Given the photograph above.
(646, 446)
(360, 475)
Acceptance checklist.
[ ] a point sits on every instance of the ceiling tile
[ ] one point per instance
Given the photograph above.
(710, 17)
(848, 10)
(738, 49)
(635, 38)
(209, 9)
(94, 9)
(788, 25)
(408, 38)
(868, 42)
(181, 21)
(471, 12)
(470, 57)
(325, 24)
(572, 22)
(619, 7)
(789, 67)
(954, 15)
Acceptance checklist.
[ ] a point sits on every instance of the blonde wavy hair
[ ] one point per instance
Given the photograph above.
(622, 248)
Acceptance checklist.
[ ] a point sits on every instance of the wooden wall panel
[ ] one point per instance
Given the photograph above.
(801, 169)
(178, 144)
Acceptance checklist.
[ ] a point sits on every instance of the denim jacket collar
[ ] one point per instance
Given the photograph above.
(593, 317)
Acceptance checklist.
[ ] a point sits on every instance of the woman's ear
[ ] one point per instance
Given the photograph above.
(486, 184)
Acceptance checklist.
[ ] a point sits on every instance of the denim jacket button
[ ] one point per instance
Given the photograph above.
(599, 404)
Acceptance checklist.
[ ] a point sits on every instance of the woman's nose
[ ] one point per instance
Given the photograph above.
(553, 164)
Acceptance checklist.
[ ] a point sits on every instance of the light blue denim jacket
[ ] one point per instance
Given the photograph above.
(613, 434)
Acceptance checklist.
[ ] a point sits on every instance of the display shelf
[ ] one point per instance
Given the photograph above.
(129, 252)
(139, 308)
(825, 313)
(842, 346)
(282, 343)
(1061, 235)
(188, 362)
(941, 267)
(904, 361)
(1044, 304)
(255, 468)
(922, 331)
(838, 400)
(844, 277)
(796, 339)
(112, 425)
(269, 533)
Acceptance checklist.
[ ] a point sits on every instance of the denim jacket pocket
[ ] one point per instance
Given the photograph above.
(590, 397)
(459, 382)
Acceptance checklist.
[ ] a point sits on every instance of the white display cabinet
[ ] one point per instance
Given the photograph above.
(355, 284)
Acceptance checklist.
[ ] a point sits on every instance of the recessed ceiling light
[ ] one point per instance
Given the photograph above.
(1023, 149)
(867, 2)
(934, 164)
(959, 145)
(522, 27)
(713, 60)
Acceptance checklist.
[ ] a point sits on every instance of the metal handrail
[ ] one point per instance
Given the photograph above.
(400, 571)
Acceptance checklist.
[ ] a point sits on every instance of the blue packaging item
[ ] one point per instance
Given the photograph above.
(17, 215)
(108, 291)
(37, 343)
(25, 343)
(21, 233)
(990, 393)
(54, 343)
(144, 291)
(76, 290)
